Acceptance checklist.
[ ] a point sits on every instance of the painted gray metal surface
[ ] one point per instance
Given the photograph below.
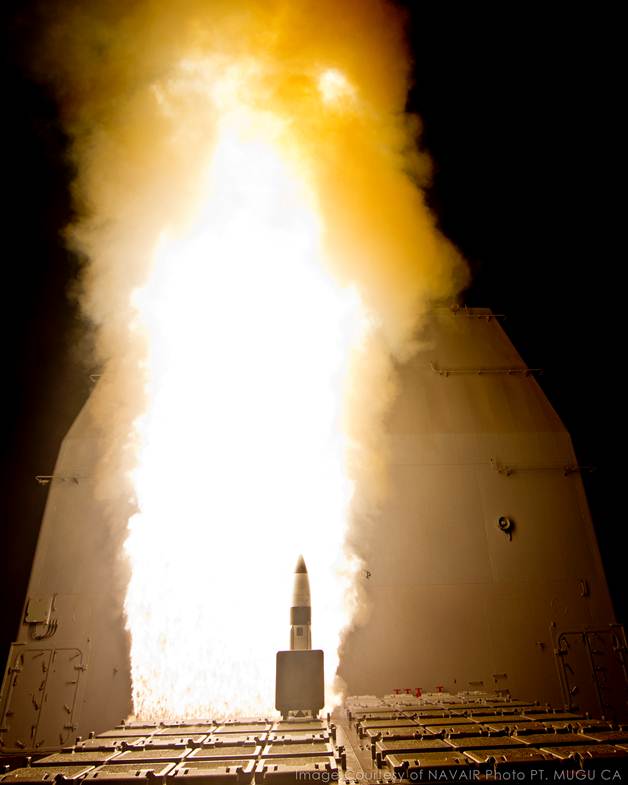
(454, 600)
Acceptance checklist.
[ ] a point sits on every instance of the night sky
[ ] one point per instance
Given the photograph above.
(519, 115)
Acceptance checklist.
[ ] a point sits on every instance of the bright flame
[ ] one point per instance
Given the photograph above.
(228, 157)
(333, 86)
(242, 464)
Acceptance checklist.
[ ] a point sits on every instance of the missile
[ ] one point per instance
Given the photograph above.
(301, 610)
(300, 672)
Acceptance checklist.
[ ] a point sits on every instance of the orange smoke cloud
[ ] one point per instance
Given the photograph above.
(144, 88)
(139, 156)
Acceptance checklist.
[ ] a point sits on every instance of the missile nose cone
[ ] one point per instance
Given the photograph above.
(301, 565)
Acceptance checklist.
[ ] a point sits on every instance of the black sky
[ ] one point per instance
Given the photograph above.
(519, 114)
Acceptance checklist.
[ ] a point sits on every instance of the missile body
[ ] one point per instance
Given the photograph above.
(301, 610)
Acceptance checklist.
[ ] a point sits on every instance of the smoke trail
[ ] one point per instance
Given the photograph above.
(144, 88)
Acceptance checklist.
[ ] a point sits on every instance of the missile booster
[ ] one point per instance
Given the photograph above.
(301, 610)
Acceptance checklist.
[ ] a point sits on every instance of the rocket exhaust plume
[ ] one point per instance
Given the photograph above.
(258, 259)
